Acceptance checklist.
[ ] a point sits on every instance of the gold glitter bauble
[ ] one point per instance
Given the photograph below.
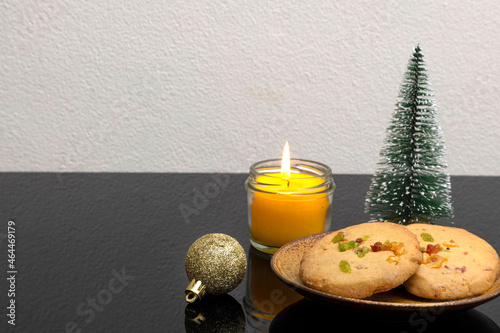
(218, 261)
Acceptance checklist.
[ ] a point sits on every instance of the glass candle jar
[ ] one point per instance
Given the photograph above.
(283, 208)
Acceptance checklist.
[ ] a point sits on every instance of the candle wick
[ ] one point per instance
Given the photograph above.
(288, 182)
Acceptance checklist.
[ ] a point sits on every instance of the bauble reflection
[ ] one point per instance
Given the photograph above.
(215, 314)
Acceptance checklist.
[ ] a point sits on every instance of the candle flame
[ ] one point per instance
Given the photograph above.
(285, 162)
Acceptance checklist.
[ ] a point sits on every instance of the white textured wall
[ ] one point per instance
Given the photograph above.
(213, 86)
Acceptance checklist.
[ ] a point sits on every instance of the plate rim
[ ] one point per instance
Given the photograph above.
(447, 305)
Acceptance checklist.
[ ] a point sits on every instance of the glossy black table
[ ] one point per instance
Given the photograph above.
(105, 253)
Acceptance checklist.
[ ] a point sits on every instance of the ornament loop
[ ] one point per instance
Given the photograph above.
(195, 290)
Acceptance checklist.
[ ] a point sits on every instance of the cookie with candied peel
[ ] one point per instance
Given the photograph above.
(361, 260)
(456, 263)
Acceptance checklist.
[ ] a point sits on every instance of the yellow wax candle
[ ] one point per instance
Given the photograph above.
(291, 206)
(285, 215)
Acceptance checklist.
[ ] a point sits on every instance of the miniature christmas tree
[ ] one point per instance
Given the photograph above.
(411, 183)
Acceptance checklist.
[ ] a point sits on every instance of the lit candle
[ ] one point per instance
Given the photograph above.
(289, 202)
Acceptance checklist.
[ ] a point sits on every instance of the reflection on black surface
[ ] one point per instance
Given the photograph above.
(313, 316)
(265, 294)
(215, 314)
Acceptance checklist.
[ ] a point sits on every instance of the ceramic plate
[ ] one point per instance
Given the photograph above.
(286, 262)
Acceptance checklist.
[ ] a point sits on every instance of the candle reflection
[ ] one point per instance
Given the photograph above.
(265, 294)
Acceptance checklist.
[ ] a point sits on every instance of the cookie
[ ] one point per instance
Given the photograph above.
(361, 260)
(456, 263)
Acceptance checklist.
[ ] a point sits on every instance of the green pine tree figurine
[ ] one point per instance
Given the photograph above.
(411, 184)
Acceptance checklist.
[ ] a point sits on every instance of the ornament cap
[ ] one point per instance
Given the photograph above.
(195, 290)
